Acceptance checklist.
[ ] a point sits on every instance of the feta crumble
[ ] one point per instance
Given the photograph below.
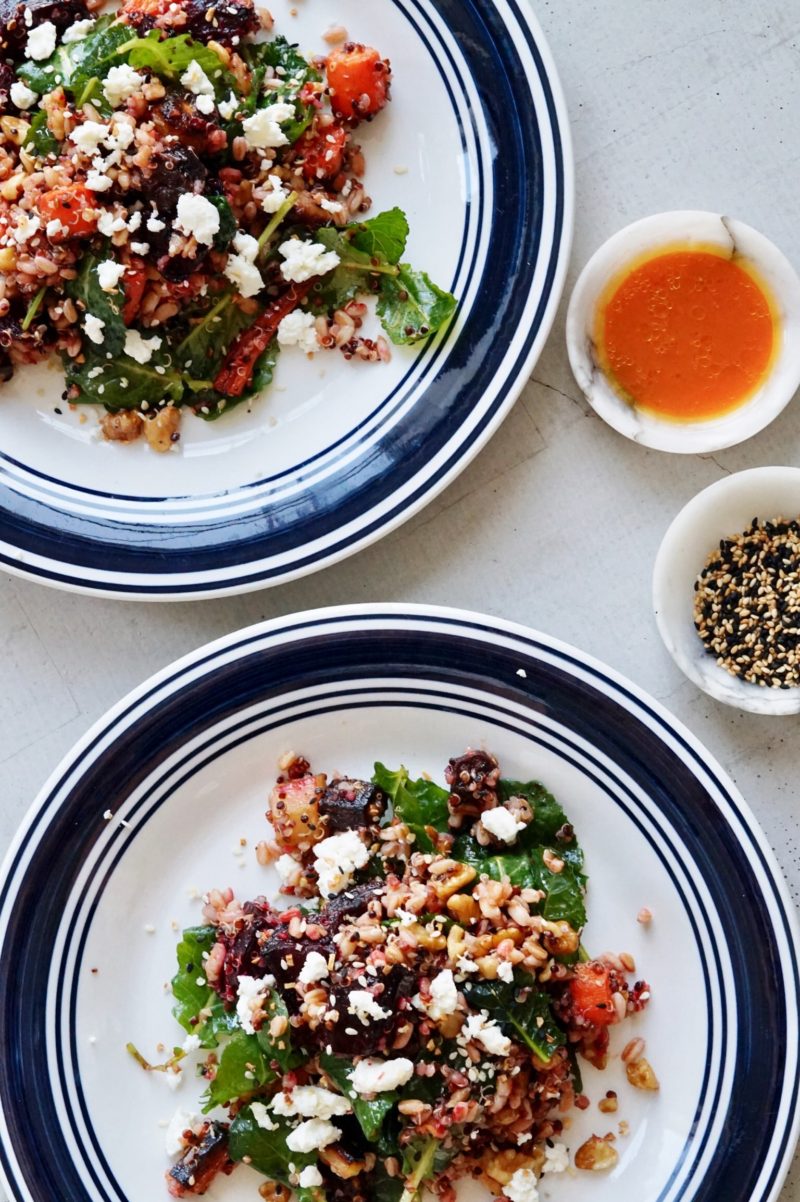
(276, 197)
(336, 859)
(120, 84)
(94, 327)
(182, 1120)
(54, 228)
(286, 867)
(195, 80)
(88, 136)
(139, 348)
(312, 1136)
(21, 95)
(505, 971)
(381, 1076)
(556, 1159)
(191, 1043)
(154, 223)
(96, 181)
(262, 1116)
(501, 823)
(444, 996)
(108, 224)
(485, 1031)
(228, 107)
(77, 31)
(41, 41)
(365, 1007)
(310, 1177)
(299, 329)
(205, 105)
(306, 259)
(310, 1102)
(263, 130)
(252, 993)
(314, 969)
(109, 274)
(244, 275)
(197, 218)
(522, 1187)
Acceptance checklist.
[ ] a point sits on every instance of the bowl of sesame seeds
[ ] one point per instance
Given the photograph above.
(726, 590)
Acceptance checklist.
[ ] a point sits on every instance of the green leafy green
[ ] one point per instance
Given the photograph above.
(370, 1115)
(190, 998)
(515, 866)
(243, 1068)
(278, 1049)
(266, 1151)
(382, 1187)
(549, 819)
(40, 141)
(521, 1010)
(121, 382)
(107, 306)
(411, 307)
(423, 1159)
(357, 272)
(383, 237)
(209, 328)
(169, 58)
(227, 222)
(77, 64)
(419, 803)
(292, 73)
(33, 308)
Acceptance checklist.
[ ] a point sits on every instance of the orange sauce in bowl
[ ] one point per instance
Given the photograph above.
(687, 333)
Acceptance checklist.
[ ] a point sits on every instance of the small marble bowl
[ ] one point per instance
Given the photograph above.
(686, 228)
(725, 508)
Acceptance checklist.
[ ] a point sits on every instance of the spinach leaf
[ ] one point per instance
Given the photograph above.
(423, 1159)
(278, 1049)
(243, 1068)
(227, 222)
(78, 63)
(515, 866)
(209, 328)
(370, 1115)
(357, 271)
(292, 73)
(191, 998)
(548, 819)
(419, 803)
(521, 1010)
(40, 141)
(121, 383)
(266, 1151)
(383, 237)
(411, 307)
(106, 305)
(169, 58)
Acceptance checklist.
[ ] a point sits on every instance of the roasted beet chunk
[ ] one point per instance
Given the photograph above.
(175, 170)
(348, 905)
(226, 21)
(244, 954)
(347, 805)
(14, 31)
(201, 1162)
(473, 779)
(284, 958)
(372, 1036)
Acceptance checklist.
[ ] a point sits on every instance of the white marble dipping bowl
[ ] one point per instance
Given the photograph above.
(725, 508)
(662, 231)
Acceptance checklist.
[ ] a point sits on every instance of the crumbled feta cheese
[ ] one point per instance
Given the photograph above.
(97, 182)
(120, 136)
(245, 245)
(487, 1033)
(94, 328)
(522, 1187)
(195, 80)
(276, 197)
(21, 95)
(109, 274)
(191, 1043)
(108, 224)
(306, 259)
(140, 248)
(121, 83)
(154, 223)
(505, 971)
(54, 228)
(138, 348)
(310, 1177)
(88, 136)
(228, 107)
(331, 206)
(41, 41)
(314, 969)
(182, 1120)
(299, 329)
(361, 1003)
(77, 31)
(252, 993)
(28, 17)
(465, 964)
(310, 1102)
(381, 1076)
(173, 1078)
(205, 105)
(556, 1159)
(26, 226)
(262, 1117)
(286, 867)
(312, 1135)
(336, 859)
(197, 218)
(263, 129)
(244, 275)
(501, 823)
(444, 996)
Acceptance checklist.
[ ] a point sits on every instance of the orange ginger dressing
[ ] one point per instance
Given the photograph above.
(687, 333)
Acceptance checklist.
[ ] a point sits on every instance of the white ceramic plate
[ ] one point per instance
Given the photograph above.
(336, 454)
(185, 763)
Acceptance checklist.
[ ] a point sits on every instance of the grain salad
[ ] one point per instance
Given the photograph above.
(415, 1010)
(182, 199)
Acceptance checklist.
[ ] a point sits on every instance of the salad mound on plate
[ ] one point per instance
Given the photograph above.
(416, 1014)
(181, 198)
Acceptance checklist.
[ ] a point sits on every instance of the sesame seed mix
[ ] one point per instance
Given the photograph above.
(747, 604)
(406, 1009)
